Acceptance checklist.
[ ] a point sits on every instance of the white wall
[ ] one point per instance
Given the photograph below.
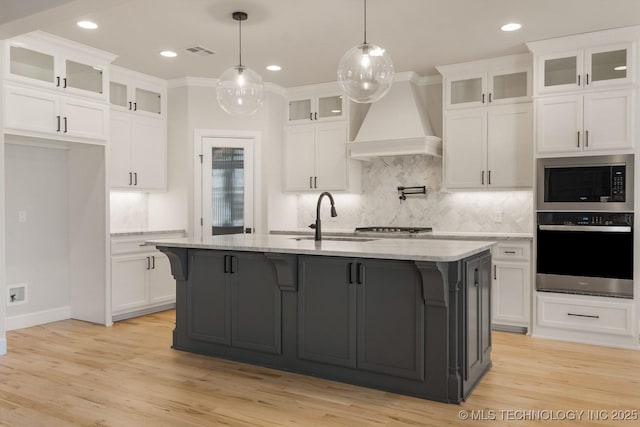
(36, 183)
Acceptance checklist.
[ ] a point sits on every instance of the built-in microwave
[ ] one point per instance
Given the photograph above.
(594, 183)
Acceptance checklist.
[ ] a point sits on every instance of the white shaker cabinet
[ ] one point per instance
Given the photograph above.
(137, 93)
(511, 292)
(597, 121)
(137, 153)
(489, 147)
(316, 157)
(315, 108)
(40, 113)
(141, 280)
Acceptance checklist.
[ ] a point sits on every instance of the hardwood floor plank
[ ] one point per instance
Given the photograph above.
(73, 373)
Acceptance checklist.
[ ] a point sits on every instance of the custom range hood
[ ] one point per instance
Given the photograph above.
(396, 125)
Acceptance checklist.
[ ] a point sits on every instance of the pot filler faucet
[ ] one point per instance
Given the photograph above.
(334, 214)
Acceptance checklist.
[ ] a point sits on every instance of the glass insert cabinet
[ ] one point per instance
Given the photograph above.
(488, 88)
(315, 108)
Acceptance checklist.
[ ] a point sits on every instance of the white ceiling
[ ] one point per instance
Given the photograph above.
(308, 37)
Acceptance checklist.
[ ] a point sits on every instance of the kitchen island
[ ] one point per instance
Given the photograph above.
(407, 316)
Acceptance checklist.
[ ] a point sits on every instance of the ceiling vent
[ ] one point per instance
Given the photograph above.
(200, 50)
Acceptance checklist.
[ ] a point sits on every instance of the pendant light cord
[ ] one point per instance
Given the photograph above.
(365, 21)
(240, 42)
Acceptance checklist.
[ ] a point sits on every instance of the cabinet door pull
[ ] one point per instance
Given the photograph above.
(234, 264)
(58, 130)
(226, 264)
(65, 82)
(310, 182)
(153, 262)
(483, 98)
(482, 177)
(130, 178)
(135, 106)
(65, 125)
(360, 279)
(310, 116)
(475, 277)
(586, 138)
(578, 79)
(352, 272)
(490, 98)
(315, 182)
(148, 263)
(316, 116)
(587, 80)
(590, 316)
(495, 272)
(130, 105)
(489, 178)
(578, 139)
(135, 178)
(57, 81)
(510, 252)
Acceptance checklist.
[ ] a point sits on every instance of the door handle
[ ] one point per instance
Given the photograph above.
(586, 138)
(129, 105)
(233, 264)
(490, 98)
(58, 130)
(495, 272)
(226, 264)
(587, 80)
(489, 178)
(361, 270)
(483, 98)
(315, 182)
(153, 262)
(482, 177)
(57, 81)
(475, 277)
(148, 263)
(352, 272)
(130, 178)
(135, 106)
(310, 116)
(65, 124)
(578, 79)
(65, 82)
(310, 182)
(316, 116)
(578, 139)
(135, 178)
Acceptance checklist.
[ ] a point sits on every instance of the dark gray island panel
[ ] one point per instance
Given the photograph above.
(413, 327)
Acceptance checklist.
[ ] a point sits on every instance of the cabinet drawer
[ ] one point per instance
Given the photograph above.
(135, 244)
(512, 251)
(585, 315)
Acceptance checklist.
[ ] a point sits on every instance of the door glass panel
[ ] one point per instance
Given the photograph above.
(118, 94)
(227, 190)
(32, 64)
(147, 100)
(469, 90)
(609, 65)
(560, 71)
(330, 106)
(512, 85)
(83, 76)
(300, 110)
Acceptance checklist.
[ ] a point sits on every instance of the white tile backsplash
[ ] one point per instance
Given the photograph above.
(379, 203)
(129, 211)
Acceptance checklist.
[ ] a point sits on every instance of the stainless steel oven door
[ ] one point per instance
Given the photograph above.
(591, 260)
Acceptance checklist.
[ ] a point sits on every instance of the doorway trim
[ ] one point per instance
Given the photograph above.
(256, 137)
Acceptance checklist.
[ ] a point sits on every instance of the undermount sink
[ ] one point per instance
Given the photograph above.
(338, 239)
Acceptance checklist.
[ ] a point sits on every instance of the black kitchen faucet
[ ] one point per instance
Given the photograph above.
(334, 214)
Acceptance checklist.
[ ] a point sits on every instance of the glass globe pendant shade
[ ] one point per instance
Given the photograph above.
(365, 73)
(240, 91)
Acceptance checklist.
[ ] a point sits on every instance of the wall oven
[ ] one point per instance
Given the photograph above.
(585, 253)
(590, 183)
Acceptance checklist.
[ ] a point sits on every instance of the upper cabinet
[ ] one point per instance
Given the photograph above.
(40, 59)
(585, 68)
(586, 92)
(504, 81)
(138, 93)
(315, 107)
(488, 124)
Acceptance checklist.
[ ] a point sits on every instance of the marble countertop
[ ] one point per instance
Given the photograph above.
(145, 232)
(447, 235)
(384, 248)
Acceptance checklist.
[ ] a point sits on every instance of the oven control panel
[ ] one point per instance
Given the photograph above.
(585, 218)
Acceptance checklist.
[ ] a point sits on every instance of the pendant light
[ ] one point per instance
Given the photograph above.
(365, 72)
(240, 90)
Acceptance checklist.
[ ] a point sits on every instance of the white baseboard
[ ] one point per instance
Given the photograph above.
(33, 319)
(3, 346)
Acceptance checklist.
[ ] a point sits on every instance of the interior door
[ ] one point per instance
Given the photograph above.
(227, 185)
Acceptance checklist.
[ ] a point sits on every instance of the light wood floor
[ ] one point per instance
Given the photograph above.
(73, 373)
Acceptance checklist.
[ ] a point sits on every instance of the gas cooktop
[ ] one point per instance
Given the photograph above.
(399, 230)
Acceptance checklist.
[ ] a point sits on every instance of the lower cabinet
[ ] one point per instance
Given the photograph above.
(141, 280)
(361, 313)
(234, 299)
(477, 313)
(511, 282)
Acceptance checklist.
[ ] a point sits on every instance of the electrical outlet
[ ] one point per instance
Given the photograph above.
(497, 216)
(22, 216)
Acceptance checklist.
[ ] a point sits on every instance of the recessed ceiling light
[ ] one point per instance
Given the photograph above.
(87, 25)
(168, 54)
(274, 67)
(511, 26)
(620, 68)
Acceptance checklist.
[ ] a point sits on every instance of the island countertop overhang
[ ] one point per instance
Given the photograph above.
(383, 248)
